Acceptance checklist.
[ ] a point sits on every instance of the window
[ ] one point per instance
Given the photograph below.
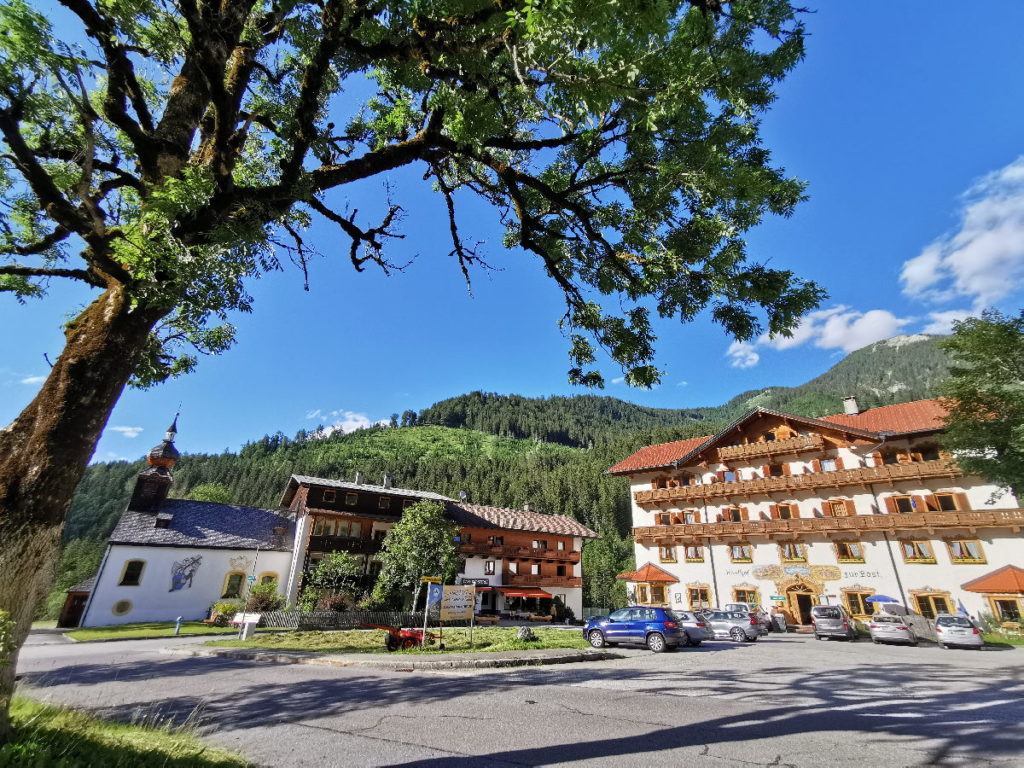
(663, 518)
(641, 593)
(1006, 608)
(746, 596)
(733, 515)
(930, 453)
(131, 574)
(535, 569)
(730, 476)
(540, 544)
(407, 503)
(966, 551)
(931, 606)
(384, 502)
(691, 517)
(786, 512)
(233, 585)
(890, 457)
(379, 534)
(561, 546)
(657, 593)
(330, 496)
(667, 554)
(828, 465)
(739, 553)
(700, 597)
(837, 508)
(488, 567)
(465, 537)
(351, 499)
(791, 552)
(268, 577)
(904, 504)
(849, 552)
(775, 470)
(513, 568)
(559, 570)
(375, 566)
(496, 541)
(946, 502)
(857, 603)
(917, 552)
(694, 553)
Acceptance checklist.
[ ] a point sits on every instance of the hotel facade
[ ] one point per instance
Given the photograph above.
(791, 512)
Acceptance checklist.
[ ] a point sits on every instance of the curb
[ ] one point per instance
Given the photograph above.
(406, 665)
(210, 635)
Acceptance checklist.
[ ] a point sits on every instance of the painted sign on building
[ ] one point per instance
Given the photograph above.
(457, 602)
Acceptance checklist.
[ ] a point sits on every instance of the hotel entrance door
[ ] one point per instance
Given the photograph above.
(801, 598)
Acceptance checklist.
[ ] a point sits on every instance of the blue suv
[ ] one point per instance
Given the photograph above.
(657, 628)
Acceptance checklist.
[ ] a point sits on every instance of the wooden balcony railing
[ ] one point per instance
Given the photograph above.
(811, 481)
(343, 544)
(995, 518)
(511, 551)
(771, 448)
(526, 580)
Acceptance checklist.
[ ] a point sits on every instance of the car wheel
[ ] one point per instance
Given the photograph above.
(818, 637)
(685, 641)
(656, 642)
(913, 643)
(695, 643)
(737, 634)
(753, 639)
(596, 638)
(943, 646)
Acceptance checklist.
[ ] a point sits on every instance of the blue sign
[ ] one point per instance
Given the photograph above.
(434, 592)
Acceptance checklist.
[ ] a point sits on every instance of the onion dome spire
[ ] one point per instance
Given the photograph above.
(165, 454)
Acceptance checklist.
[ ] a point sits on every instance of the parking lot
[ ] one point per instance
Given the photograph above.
(784, 700)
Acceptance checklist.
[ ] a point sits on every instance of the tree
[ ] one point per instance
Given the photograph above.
(422, 543)
(985, 397)
(217, 492)
(181, 149)
(603, 560)
(334, 574)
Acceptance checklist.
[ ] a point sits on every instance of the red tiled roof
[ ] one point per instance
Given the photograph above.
(654, 456)
(480, 516)
(917, 416)
(1006, 580)
(649, 573)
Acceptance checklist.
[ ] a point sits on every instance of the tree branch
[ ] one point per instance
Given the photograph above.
(76, 274)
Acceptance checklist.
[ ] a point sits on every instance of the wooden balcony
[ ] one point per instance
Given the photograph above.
(914, 521)
(484, 549)
(343, 544)
(771, 448)
(811, 481)
(526, 580)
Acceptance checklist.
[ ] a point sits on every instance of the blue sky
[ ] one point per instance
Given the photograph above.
(905, 120)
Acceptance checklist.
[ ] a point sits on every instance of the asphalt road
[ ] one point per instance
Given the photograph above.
(785, 700)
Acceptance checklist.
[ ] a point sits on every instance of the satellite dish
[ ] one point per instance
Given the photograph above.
(463, 495)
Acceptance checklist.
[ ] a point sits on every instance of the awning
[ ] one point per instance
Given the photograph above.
(648, 574)
(1006, 580)
(523, 592)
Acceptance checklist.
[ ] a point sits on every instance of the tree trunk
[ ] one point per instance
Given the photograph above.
(44, 452)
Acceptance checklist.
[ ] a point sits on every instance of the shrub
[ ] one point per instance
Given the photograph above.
(263, 598)
(227, 608)
(339, 602)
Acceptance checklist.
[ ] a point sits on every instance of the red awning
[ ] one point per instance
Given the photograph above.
(1006, 580)
(648, 574)
(523, 592)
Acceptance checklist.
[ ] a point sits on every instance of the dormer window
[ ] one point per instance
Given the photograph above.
(351, 499)
(163, 520)
(330, 496)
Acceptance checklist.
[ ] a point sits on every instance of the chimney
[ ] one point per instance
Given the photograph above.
(388, 480)
(359, 478)
(850, 406)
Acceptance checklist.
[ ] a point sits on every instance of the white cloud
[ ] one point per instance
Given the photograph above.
(127, 431)
(741, 354)
(314, 414)
(984, 259)
(683, 384)
(618, 380)
(347, 421)
(116, 457)
(942, 322)
(33, 380)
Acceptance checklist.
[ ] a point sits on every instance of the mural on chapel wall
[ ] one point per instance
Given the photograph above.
(240, 563)
(183, 571)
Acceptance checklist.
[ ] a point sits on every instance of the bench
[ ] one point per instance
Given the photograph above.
(487, 619)
(541, 617)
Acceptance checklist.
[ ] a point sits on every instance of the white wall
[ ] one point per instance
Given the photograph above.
(153, 600)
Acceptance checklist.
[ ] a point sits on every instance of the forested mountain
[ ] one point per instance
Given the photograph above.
(892, 371)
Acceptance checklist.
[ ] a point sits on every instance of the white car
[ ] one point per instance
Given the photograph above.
(957, 631)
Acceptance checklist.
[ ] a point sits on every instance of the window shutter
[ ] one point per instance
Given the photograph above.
(721, 475)
(794, 509)
(744, 513)
(931, 503)
(877, 457)
(920, 505)
(766, 470)
(721, 517)
(654, 485)
(774, 511)
(851, 508)
(839, 463)
(816, 465)
(890, 505)
(786, 469)
(961, 502)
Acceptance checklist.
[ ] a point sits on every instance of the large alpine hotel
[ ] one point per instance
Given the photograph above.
(790, 512)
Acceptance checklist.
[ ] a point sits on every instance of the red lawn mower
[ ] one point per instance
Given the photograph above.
(404, 638)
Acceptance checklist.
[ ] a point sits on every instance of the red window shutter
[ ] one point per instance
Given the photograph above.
(794, 509)
(877, 456)
(816, 465)
(654, 485)
(920, 505)
(774, 511)
(744, 513)
(839, 463)
(721, 517)
(721, 475)
(931, 503)
(851, 508)
(890, 505)
(785, 468)
(962, 503)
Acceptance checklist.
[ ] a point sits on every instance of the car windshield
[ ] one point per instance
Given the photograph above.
(679, 616)
(953, 621)
(827, 613)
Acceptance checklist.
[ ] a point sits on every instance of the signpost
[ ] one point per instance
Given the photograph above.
(434, 593)
(457, 603)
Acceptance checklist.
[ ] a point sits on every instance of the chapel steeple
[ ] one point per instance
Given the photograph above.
(153, 483)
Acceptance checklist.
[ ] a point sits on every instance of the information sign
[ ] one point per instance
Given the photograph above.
(458, 602)
(434, 592)
(777, 599)
(430, 579)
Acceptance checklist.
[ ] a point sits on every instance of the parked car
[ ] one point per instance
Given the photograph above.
(695, 626)
(957, 631)
(891, 629)
(832, 621)
(735, 625)
(763, 618)
(657, 628)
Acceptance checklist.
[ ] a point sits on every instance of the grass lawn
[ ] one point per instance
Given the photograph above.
(155, 629)
(62, 738)
(998, 638)
(372, 641)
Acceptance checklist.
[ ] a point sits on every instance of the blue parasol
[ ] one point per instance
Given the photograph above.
(880, 599)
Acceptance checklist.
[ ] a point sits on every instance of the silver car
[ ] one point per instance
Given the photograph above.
(957, 631)
(735, 625)
(891, 629)
(762, 615)
(696, 629)
(832, 621)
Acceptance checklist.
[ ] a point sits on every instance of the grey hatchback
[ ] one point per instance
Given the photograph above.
(736, 625)
(832, 621)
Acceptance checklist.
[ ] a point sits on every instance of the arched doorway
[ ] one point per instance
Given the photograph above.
(801, 598)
